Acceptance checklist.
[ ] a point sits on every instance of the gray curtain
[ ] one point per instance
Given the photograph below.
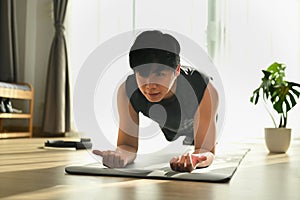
(57, 103)
(8, 42)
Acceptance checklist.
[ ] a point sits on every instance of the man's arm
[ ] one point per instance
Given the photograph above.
(128, 125)
(204, 135)
(205, 126)
(127, 144)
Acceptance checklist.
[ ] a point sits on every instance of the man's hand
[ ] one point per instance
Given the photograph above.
(113, 159)
(187, 162)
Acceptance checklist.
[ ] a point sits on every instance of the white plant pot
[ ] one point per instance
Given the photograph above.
(277, 139)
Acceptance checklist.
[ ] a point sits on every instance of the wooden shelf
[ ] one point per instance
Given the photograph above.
(15, 115)
(16, 92)
(14, 134)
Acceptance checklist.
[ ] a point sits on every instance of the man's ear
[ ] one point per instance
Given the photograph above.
(177, 71)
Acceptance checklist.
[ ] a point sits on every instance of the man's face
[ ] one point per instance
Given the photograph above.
(157, 83)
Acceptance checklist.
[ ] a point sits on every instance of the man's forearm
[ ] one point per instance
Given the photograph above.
(209, 155)
(129, 151)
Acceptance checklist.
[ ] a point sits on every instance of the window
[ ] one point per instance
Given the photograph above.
(249, 36)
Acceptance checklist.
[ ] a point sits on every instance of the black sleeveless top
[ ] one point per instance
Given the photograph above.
(174, 115)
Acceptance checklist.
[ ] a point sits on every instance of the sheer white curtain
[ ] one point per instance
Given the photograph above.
(187, 17)
(91, 22)
(246, 37)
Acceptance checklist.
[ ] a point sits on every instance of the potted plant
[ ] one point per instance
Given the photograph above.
(282, 95)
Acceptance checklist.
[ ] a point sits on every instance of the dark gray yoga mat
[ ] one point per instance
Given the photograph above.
(146, 166)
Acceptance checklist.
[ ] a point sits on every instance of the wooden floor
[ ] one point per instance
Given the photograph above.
(28, 171)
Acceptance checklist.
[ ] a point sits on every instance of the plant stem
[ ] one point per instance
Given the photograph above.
(273, 119)
(285, 120)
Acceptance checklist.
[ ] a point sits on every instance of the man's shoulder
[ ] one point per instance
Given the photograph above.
(193, 79)
(130, 84)
(187, 70)
(192, 74)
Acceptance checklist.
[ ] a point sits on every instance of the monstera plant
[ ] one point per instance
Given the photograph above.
(282, 95)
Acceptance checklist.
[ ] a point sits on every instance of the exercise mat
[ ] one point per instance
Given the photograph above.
(156, 166)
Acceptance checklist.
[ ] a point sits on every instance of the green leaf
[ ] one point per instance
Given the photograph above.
(255, 96)
(274, 67)
(278, 106)
(287, 105)
(292, 99)
(295, 92)
(294, 84)
(267, 74)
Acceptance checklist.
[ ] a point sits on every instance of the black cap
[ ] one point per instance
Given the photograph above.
(154, 47)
